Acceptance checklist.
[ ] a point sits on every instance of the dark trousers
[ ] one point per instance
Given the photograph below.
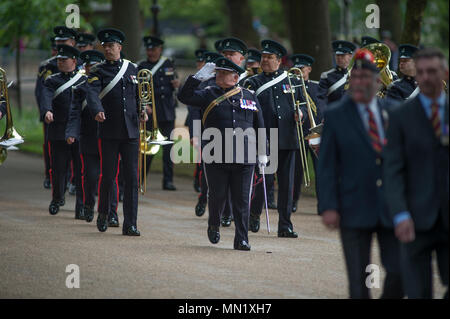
(417, 257)
(285, 177)
(165, 128)
(90, 164)
(61, 155)
(109, 162)
(235, 179)
(46, 152)
(298, 175)
(357, 246)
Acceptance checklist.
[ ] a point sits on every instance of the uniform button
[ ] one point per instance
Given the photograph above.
(234, 132)
(162, 87)
(279, 117)
(379, 182)
(124, 110)
(277, 96)
(234, 121)
(234, 110)
(278, 106)
(162, 96)
(124, 99)
(274, 87)
(161, 79)
(378, 161)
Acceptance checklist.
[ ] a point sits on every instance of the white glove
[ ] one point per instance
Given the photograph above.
(262, 162)
(206, 72)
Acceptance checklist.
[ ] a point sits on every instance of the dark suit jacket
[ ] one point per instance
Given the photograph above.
(349, 170)
(416, 167)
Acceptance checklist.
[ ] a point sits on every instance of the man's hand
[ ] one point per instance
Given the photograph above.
(100, 117)
(175, 83)
(331, 218)
(149, 110)
(70, 140)
(296, 116)
(405, 231)
(144, 117)
(48, 117)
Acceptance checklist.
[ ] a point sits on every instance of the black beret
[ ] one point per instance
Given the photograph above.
(253, 55)
(343, 47)
(211, 56)
(366, 40)
(67, 51)
(407, 51)
(64, 33)
(225, 64)
(92, 56)
(301, 60)
(273, 47)
(111, 35)
(84, 39)
(234, 44)
(200, 54)
(152, 42)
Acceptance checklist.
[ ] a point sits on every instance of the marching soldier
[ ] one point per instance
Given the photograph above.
(112, 99)
(82, 127)
(164, 84)
(274, 94)
(85, 41)
(331, 84)
(237, 108)
(55, 106)
(404, 88)
(304, 63)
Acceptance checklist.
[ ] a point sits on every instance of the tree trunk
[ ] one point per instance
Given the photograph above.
(126, 17)
(241, 22)
(308, 26)
(413, 21)
(18, 64)
(391, 18)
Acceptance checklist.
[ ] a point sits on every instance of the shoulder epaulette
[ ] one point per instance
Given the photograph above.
(45, 62)
(315, 82)
(324, 75)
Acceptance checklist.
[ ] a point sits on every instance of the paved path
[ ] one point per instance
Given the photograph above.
(172, 259)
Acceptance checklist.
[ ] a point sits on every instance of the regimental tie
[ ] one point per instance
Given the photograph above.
(373, 132)
(435, 120)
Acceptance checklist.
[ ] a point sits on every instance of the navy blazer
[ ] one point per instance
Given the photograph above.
(350, 170)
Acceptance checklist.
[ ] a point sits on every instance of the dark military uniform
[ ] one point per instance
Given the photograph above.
(401, 89)
(118, 134)
(60, 152)
(83, 127)
(235, 174)
(165, 104)
(2, 108)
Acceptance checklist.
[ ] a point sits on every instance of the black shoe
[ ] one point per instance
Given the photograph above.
(53, 209)
(113, 222)
(213, 234)
(169, 186)
(79, 212)
(47, 183)
(102, 222)
(289, 233)
(121, 197)
(242, 245)
(62, 202)
(72, 189)
(88, 214)
(294, 207)
(254, 223)
(131, 231)
(225, 221)
(271, 204)
(200, 208)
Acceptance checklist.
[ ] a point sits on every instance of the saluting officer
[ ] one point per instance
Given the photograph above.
(113, 99)
(85, 41)
(304, 63)
(274, 94)
(164, 84)
(405, 87)
(332, 82)
(55, 106)
(195, 114)
(226, 105)
(83, 127)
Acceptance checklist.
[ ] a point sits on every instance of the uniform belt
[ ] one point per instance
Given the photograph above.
(218, 100)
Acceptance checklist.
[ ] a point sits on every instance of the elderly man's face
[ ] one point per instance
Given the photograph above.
(364, 85)
(226, 79)
(430, 74)
(270, 62)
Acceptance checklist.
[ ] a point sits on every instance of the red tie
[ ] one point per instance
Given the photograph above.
(435, 120)
(373, 132)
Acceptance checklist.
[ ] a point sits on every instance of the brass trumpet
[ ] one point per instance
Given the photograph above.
(10, 137)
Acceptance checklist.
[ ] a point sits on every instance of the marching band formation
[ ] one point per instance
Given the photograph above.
(378, 142)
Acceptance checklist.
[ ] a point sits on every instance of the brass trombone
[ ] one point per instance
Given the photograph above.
(10, 137)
